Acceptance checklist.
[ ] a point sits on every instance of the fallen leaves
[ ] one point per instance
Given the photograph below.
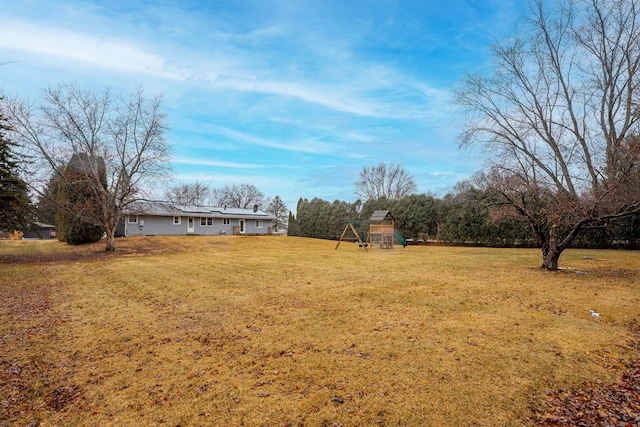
(62, 396)
(603, 405)
(29, 383)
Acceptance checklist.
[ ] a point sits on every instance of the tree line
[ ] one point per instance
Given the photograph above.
(465, 216)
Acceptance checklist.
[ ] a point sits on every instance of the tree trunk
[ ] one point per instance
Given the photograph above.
(551, 250)
(111, 240)
(550, 257)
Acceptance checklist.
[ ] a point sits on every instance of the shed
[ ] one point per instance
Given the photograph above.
(40, 231)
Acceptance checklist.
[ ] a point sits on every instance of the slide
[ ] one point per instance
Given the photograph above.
(400, 239)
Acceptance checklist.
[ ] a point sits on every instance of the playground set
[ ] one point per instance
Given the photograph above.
(381, 232)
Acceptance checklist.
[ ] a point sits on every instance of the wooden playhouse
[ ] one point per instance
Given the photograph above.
(381, 229)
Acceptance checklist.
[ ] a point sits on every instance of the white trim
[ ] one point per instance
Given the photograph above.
(243, 226)
(177, 222)
(191, 225)
(134, 217)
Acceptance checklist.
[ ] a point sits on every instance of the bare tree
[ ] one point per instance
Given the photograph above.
(390, 181)
(194, 194)
(124, 135)
(240, 196)
(278, 209)
(216, 197)
(558, 115)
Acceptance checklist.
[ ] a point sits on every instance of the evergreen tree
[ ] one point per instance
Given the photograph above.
(416, 216)
(341, 213)
(292, 225)
(302, 219)
(15, 204)
(467, 220)
(77, 203)
(45, 207)
(317, 224)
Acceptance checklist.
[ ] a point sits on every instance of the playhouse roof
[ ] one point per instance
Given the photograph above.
(381, 216)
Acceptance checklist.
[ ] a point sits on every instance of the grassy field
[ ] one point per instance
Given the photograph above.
(277, 331)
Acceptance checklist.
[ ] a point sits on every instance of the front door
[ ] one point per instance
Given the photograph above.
(190, 226)
(242, 229)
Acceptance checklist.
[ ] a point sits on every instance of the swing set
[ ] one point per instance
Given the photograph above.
(381, 232)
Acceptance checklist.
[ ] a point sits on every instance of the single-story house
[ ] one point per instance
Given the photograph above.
(164, 218)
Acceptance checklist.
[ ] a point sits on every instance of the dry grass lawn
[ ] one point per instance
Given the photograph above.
(278, 331)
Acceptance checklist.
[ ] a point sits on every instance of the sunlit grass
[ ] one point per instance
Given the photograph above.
(240, 330)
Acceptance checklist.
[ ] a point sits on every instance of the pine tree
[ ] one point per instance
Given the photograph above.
(15, 204)
(76, 202)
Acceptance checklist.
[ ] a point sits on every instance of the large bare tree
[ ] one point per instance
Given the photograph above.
(124, 135)
(194, 194)
(390, 181)
(239, 196)
(278, 209)
(558, 114)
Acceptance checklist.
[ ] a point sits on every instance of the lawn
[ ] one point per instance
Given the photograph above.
(277, 331)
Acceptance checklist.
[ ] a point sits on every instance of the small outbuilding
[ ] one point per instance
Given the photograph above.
(382, 229)
(40, 231)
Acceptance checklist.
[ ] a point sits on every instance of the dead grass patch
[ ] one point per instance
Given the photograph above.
(237, 330)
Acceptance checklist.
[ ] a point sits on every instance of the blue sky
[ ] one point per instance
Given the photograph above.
(292, 96)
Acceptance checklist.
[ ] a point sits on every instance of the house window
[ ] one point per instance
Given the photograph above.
(258, 223)
(226, 221)
(132, 219)
(176, 220)
(206, 221)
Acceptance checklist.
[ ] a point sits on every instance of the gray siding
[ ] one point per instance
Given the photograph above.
(147, 225)
(153, 225)
(252, 226)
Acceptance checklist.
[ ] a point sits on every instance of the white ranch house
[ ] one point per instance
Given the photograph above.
(163, 218)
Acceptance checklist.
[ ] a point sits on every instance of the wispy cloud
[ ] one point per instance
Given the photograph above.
(214, 163)
(256, 35)
(371, 91)
(305, 146)
(327, 96)
(117, 54)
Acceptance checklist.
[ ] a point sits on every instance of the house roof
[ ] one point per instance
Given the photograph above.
(43, 225)
(381, 216)
(171, 209)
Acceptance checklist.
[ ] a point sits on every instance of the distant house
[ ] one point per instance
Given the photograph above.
(163, 218)
(40, 231)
